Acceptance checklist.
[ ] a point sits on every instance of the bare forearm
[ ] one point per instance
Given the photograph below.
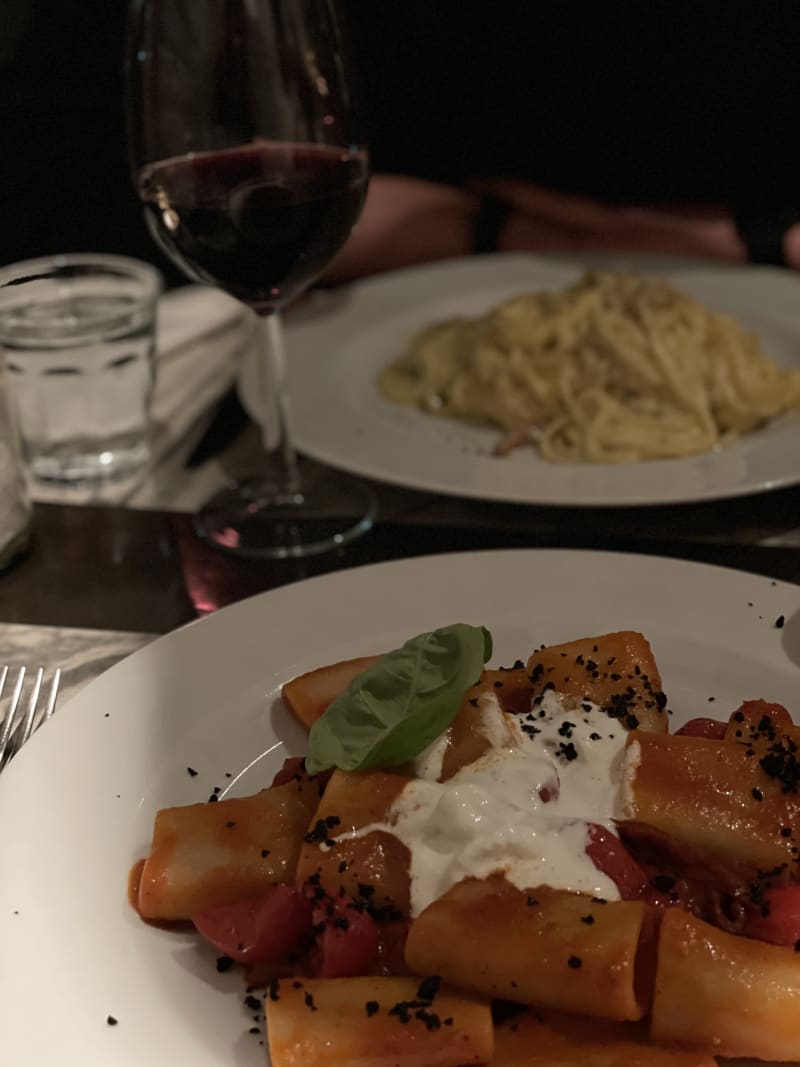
(406, 220)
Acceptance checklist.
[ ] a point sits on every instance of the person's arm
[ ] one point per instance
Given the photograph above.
(405, 221)
(546, 220)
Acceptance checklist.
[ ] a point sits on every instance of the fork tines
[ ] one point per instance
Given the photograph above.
(23, 714)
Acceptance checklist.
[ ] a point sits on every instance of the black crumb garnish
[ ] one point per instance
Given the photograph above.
(429, 987)
(264, 853)
(366, 891)
(779, 622)
(224, 963)
(532, 902)
(594, 736)
(429, 1018)
(309, 999)
(371, 1007)
(253, 1003)
(781, 763)
(191, 772)
(757, 794)
(274, 990)
(575, 962)
(343, 866)
(229, 825)
(786, 831)
(319, 833)
(599, 900)
(213, 798)
(111, 1021)
(254, 1030)
(567, 751)
(402, 1009)
(588, 919)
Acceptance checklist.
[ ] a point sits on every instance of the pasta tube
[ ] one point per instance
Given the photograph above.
(545, 946)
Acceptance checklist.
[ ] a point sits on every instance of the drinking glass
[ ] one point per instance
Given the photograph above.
(246, 152)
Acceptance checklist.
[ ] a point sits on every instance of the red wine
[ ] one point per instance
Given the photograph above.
(261, 221)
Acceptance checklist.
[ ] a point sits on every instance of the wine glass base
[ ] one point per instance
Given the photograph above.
(260, 519)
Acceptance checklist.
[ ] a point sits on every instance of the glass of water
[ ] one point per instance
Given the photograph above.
(77, 334)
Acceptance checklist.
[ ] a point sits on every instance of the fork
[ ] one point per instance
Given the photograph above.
(20, 720)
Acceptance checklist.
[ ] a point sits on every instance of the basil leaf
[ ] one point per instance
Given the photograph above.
(401, 703)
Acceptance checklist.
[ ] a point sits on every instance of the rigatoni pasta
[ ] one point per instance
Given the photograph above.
(542, 946)
(556, 879)
(736, 996)
(207, 854)
(361, 1022)
(616, 368)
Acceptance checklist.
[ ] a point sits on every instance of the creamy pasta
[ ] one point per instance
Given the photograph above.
(616, 368)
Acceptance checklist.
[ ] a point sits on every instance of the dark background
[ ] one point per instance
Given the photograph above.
(681, 101)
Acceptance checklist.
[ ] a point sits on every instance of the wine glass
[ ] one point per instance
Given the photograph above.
(245, 151)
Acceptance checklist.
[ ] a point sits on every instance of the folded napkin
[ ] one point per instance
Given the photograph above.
(202, 335)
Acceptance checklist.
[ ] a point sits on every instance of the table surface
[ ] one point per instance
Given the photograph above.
(122, 569)
(99, 581)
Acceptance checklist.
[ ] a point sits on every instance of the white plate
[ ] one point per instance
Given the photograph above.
(339, 341)
(76, 806)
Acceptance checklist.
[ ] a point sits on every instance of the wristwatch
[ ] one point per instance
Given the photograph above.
(763, 230)
(488, 223)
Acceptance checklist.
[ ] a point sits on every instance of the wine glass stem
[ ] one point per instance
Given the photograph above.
(275, 409)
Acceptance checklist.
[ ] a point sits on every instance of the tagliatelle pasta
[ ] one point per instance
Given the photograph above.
(617, 368)
(556, 879)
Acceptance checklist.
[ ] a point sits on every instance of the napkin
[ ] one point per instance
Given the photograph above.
(201, 336)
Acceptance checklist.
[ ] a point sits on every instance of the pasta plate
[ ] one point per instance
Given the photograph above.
(82, 980)
(339, 341)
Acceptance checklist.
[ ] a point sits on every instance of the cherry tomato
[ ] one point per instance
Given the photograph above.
(781, 924)
(711, 728)
(264, 929)
(292, 766)
(348, 945)
(391, 950)
(610, 856)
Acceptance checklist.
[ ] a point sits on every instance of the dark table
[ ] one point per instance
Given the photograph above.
(122, 569)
